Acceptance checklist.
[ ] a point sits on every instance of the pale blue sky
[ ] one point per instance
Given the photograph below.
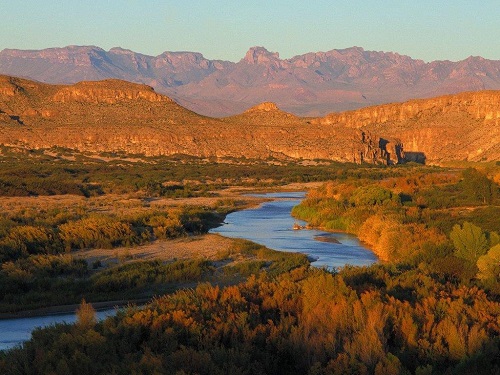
(225, 29)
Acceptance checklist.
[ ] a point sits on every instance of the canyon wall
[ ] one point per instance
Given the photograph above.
(483, 105)
(454, 127)
(117, 116)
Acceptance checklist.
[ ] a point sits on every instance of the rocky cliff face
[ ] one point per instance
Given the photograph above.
(483, 106)
(312, 84)
(109, 91)
(369, 148)
(453, 127)
(8, 87)
(263, 107)
(120, 116)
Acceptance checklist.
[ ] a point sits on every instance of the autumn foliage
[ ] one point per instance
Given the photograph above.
(304, 322)
(431, 306)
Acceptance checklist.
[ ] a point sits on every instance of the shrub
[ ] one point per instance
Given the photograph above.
(96, 231)
(373, 195)
(469, 240)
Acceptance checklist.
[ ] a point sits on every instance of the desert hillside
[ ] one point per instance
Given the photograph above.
(118, 116)
(453, 127)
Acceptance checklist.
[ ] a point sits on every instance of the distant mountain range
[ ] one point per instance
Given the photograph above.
(312, 84)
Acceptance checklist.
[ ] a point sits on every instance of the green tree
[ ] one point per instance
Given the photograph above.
(478, 186)
(373, 195)
(469, 240)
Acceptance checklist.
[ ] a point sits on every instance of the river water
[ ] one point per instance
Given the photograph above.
(270, 225)
(14, 331)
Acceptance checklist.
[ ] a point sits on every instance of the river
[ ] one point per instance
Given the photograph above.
(270, 225)
(14, 331)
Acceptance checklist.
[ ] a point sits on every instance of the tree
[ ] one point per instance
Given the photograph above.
(85, 316)
(478, 186)
(494, 238)
(373, 195)
(469, 240)
(489, 264)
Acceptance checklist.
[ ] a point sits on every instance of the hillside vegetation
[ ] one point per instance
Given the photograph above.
(57, 205)
(431, 306)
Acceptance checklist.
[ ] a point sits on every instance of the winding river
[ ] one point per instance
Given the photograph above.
(270, 225)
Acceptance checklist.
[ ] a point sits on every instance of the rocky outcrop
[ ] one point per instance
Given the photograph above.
(266, 107)
(8, 86)
(265, 114)
(453, 127)
(109, 91)
(368, 148)
(260, 55)
(8, 89)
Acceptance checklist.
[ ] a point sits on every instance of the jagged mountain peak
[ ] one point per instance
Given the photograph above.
(124, 51)
(310, 84)
(260, 55)
(182, 53)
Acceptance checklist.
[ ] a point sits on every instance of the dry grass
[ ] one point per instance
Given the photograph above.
(130, 202)
(205, 246)
(41, 202)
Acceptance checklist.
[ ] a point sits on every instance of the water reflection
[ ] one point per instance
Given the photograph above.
(271, 225)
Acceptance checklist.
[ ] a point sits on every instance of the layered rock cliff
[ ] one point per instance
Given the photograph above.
(120, 116)
(108, 91)
(454, 127)
(484, 105)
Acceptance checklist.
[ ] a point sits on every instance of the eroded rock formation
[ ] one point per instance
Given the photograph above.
(368, 148)
(117, 116)
(484, 105)
(108, 91)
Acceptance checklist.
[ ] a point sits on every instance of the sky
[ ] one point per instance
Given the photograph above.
(226, 29)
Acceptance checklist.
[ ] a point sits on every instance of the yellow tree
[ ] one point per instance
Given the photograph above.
(489, 264)
(85, 316)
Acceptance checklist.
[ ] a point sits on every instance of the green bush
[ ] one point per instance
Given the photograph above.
(470, 241)
(373, 195)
